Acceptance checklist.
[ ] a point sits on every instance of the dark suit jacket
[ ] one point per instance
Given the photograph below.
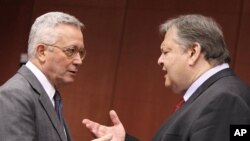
(26, 112)
(221, 101)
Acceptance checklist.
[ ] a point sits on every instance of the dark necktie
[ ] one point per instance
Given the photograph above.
(58, 107)
(179, 104)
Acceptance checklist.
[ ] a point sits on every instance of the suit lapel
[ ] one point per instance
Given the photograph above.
(44, 100)
(67, 132)
(47, 105)
(208, 83)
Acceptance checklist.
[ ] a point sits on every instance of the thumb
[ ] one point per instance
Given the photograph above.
(114, 117)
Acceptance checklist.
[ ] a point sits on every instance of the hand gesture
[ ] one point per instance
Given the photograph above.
(117, 130)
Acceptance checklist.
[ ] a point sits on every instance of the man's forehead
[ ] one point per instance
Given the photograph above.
(164, 46)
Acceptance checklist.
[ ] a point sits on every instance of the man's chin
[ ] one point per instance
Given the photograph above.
(69, 80)
(167, 84)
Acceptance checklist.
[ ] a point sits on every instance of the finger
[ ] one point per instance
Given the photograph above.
(86, 121)
(114, 117)
(91, 125)
(107, 137)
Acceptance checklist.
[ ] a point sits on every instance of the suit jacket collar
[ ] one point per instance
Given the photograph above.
(209, 82)
(44, 100)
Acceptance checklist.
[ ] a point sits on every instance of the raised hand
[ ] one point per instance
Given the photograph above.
(117, 130)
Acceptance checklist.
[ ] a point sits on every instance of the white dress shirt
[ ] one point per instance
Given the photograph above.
(197, 83)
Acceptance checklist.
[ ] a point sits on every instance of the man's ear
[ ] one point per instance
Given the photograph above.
(194, 53)
(41, 52)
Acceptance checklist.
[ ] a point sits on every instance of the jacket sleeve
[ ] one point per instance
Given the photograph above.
(130, 138)
(16, 116)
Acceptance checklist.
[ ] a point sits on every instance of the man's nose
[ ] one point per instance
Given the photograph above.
(78, 59)
(160, 62)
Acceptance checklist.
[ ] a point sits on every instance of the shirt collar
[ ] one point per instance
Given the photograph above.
(50, 90)
(202, 79)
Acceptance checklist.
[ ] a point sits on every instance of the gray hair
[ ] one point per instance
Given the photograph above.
(201, 29)
(43, 29)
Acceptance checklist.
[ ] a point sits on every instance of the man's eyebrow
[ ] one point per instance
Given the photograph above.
(164, 48)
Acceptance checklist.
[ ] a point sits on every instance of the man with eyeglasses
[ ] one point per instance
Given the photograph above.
(30, 103)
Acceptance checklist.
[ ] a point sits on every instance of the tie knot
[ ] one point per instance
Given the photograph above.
(57, 96)
(179, 104)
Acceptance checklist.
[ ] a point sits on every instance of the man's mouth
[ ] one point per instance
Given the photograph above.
(166, 73)
(73, 72)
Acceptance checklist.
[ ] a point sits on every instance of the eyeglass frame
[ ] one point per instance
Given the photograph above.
(68, 53)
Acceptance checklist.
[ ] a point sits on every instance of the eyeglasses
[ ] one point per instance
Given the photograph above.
(71, 51)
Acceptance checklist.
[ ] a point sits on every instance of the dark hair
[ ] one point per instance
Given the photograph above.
(201, 29)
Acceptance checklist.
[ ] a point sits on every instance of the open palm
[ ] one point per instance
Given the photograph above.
(117, 130)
